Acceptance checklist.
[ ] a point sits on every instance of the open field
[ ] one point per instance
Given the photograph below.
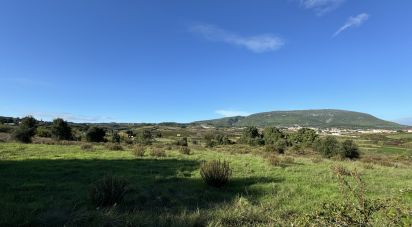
(49, 185)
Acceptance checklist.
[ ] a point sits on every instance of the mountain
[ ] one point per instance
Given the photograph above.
(326, 118)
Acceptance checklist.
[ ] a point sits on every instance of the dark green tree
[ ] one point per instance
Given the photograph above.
(349, 149)
(26, 130)
(60, 130)
(95, 134)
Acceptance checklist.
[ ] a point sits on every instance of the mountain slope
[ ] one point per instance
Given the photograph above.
(326, 118)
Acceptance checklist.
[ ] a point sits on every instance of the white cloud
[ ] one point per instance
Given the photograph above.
(321, 6)
(231, 113)
(257, 44)
(70, 117)
(353, 22)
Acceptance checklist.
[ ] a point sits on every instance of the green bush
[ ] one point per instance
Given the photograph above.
(95, 134)
(215, 173)
(214, 139)
(43, 131)
(60, 130)
(26, 130)
(328, 147)
(5, 128)
(115, 137)
(145, 137)
(349, 150)
(251, 136)
(108, 191)
(278, 147)
(304, 137)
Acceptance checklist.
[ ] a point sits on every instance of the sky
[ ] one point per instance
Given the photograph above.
(185, 60)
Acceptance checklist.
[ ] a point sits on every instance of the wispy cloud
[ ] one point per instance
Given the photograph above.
(48, 116)
(231, 113)
(321, 6)
(355, 21)
(257, 44)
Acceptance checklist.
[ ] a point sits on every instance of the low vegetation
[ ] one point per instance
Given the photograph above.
(103, 176)
(216, 173)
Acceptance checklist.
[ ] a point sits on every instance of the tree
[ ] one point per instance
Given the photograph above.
(60, 130)
(26, 130)
(95, 134)
(349, 149)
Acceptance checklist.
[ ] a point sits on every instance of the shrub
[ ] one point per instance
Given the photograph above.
(272, 135)
(5, 128)
(114, 147)
(95, 134)
(61, 130)
(139, 151)
(26, 130)
(115, 137)
(182, 142)
(215, 173)
(328, 147)
(349, 150)
(86, 147)
(157, 152)
(43, 131)
(213, 139)
(184, 150)
(280, 161)
(279, 146)
(108, 191)
(305, 137)
(251, 136)
(145, 137)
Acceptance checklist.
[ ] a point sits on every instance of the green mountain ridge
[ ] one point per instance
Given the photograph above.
(323, 118)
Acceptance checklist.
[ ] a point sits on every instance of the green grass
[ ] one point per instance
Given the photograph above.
(50, 184)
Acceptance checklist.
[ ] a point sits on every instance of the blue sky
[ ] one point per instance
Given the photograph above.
(153, 61)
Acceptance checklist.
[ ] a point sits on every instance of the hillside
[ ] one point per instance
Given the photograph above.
(326, 118)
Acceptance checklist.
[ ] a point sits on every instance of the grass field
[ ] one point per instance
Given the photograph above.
(49, 185)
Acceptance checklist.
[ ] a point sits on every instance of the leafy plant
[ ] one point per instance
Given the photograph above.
(215, 173)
